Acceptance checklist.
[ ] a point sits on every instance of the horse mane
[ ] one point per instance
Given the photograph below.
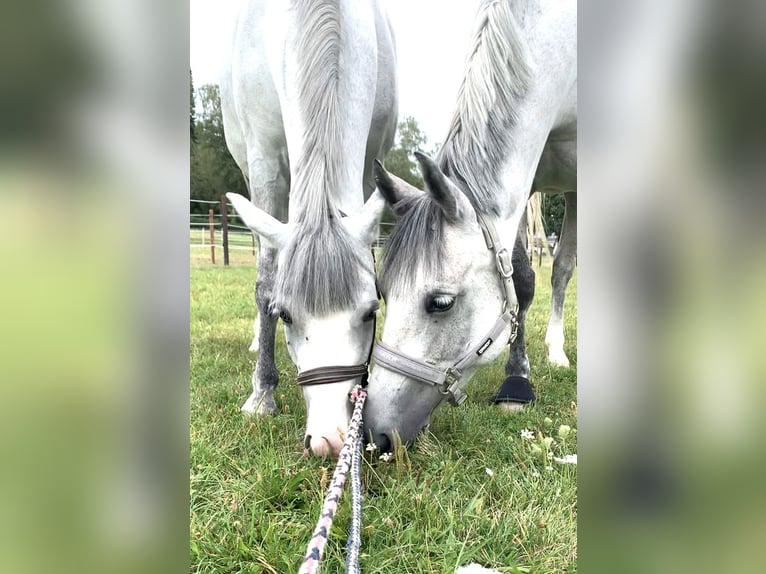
(321, 270)
(496, 78)
(318, 62)
(322, 265)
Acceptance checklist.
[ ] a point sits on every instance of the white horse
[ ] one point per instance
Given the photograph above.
(309, 101)
(446, 273)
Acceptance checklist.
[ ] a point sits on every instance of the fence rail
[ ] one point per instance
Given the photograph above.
(214, 230)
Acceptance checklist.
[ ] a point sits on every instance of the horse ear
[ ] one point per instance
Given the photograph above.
(391, 187)
(364, 225)
(269, 229)
(442, 190)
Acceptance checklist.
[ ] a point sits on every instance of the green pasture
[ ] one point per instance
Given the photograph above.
(470, 490)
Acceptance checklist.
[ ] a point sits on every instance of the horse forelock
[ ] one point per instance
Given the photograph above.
(321, 270)
(415, 244)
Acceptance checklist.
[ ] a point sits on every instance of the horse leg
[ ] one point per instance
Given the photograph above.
(265, 377)
(563, 266)
(265, 374)
(516, 390)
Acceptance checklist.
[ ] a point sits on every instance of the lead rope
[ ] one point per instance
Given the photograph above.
(350, 454)
(354, 542)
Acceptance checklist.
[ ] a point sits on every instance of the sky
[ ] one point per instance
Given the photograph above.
(432, 39)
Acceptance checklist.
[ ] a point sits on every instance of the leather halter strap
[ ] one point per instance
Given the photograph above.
(333, 374)
(451, 380)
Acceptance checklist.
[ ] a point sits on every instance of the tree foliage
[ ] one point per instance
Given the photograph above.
(192, 110)
(213, 171)
(553, 212)
(399, 160)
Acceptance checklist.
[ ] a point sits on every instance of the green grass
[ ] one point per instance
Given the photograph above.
(255, 500)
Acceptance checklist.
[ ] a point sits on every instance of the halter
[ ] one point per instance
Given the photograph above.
(451, 380)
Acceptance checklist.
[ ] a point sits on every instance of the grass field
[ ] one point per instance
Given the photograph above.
(470, 490)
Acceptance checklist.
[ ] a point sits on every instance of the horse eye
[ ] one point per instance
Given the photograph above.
(286, 318)
(440, 303)
(370, 316)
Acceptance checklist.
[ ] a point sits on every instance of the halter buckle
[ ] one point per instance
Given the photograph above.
(455, 396)
(503, 263)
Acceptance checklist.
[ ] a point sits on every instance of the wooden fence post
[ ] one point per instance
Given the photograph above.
(211, 222)
(225, 229)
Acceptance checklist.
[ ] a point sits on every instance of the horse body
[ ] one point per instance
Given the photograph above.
(309, 101)
(519, 88)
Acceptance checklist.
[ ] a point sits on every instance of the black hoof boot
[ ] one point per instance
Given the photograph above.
(515, 389)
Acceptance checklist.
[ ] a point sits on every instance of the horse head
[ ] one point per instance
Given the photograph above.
(325, 293)
(440, 283)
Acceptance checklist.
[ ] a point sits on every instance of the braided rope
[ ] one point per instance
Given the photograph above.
(354, 542)
(350, 450)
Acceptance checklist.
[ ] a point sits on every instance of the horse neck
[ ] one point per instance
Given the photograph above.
(327, 94)
(508, 164)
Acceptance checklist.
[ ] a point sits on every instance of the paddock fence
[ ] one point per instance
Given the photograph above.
(216, 229)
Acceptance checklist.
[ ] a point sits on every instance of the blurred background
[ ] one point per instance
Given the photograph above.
(94, 188)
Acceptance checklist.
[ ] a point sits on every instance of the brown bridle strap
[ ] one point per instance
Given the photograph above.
(332, 374)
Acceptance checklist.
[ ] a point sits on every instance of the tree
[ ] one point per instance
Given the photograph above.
(553, 212)
(192, 110)
(399, 160)
(213, 171)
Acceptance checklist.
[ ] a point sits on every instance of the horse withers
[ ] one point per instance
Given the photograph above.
(309, 101)
(451, 305)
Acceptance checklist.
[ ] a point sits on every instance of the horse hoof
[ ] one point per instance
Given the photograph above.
(511, 407)
(558, 359)
(255, 405)
(515, 392)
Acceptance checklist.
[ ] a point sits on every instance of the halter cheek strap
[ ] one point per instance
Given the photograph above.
(451, 380)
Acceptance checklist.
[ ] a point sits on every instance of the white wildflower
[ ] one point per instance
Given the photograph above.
(371, 447)
(386, 456)
(548, 422)
(549, 467)
(568, 459)
(474, 568)
(564, 431)
(547, 442)
(489, 471)
(527, 434)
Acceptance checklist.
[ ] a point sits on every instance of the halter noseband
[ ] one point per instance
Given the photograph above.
(451, 380)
